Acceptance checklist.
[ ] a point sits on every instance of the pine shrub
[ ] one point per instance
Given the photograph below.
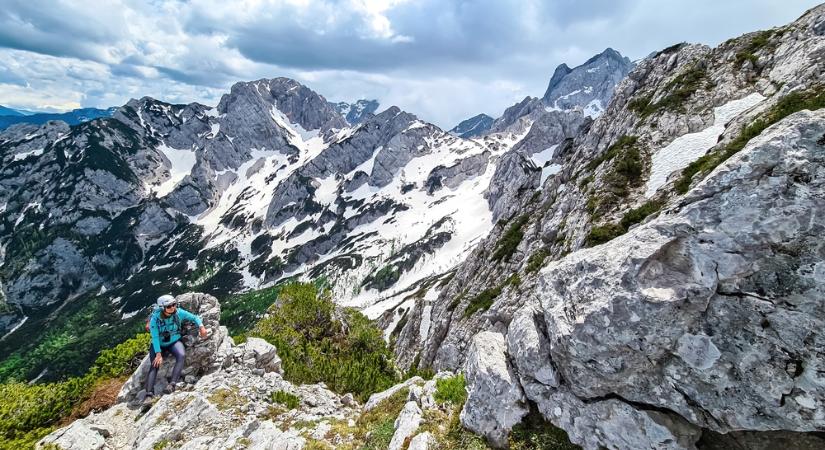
(317, 344)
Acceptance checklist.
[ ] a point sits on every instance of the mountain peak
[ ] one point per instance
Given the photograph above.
(355, 113)
(474, 126)
(588, 86)
(300, 104)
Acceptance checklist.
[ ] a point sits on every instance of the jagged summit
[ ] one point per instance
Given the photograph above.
(355, 113)
(474, 126)
(300, 104)
(588, 86)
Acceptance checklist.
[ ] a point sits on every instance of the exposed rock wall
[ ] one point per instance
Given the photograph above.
(702, 320)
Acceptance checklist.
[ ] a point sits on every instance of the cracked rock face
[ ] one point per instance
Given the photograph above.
(693, 315)
(495, 401)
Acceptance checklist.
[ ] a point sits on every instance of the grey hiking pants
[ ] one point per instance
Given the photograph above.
(178, 351)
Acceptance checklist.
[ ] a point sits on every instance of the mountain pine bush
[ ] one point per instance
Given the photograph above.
(30, 411)
(318, 343)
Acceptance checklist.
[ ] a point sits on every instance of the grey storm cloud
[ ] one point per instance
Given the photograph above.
(443, 60)
(57, 29)
(428, 33)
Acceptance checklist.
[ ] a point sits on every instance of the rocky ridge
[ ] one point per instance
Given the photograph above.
(235, 396)
(675, 333)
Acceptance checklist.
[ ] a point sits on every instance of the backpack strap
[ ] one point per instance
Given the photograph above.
(175, 317)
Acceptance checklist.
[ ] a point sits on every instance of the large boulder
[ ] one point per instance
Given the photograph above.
(495, 401)
(709, 317)
(203, 356)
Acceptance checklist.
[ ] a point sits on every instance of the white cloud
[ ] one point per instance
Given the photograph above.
(443, 61)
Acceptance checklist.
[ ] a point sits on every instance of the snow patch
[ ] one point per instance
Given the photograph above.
(541, 158)
(22, 156)
(19, 324)
(594, 109)
(687, 148)
(181, 163)
(546, 171)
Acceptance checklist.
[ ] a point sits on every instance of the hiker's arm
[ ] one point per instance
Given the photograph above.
(186, 315)
(155, 333)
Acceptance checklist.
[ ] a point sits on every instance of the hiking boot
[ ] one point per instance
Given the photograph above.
(170, 388)
(149, 400)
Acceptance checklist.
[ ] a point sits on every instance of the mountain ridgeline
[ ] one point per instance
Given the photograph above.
(9, 117)
(634, 257)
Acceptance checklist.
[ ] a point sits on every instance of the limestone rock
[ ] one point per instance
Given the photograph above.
(422, 441)
(495, 401)
(378, 397)
(405, 425)
(202, 356)
(77, 436)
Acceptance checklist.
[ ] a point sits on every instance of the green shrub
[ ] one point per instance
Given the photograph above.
(514, 280)
(506, 246)
(625, 173)
(603, 233)
(29, 412)
(811, 99)
(639, 214)
(123, 359)
(757, 43)
(536, 260)
(347, 352)
(452, 390)
(456, 301)
(376, 426)
(290, 401)
(679, 90)
(534, 433)
(483, 301)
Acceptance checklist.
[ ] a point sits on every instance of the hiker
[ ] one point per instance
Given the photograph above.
(165, 328)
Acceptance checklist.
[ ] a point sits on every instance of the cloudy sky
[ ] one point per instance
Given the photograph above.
(440, 59)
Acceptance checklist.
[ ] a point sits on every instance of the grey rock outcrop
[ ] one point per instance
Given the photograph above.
(516, 173)
(452, 176)
(405, 425)
(495, 401)
(700, 292)
(689, 319)
(202, 356)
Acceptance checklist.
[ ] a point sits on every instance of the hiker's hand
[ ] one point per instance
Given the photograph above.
(158, 360)
(203, 332)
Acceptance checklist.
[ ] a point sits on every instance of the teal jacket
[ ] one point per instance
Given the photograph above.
(158, 326)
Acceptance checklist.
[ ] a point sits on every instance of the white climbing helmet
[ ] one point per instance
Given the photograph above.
(165, 300)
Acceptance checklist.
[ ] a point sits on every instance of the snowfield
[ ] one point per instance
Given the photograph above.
(689, 147)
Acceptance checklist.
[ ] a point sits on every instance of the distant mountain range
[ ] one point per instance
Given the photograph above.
(9, 116)
(4, 111)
